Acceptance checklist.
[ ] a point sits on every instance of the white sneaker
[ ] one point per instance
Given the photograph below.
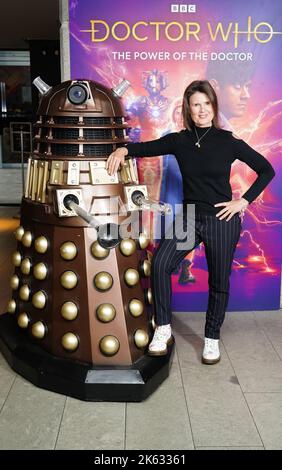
(161, 339)
(211, 354)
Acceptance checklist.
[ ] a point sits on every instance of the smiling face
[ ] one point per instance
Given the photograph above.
(201, 109)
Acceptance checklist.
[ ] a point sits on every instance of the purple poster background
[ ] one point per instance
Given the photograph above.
(236, 45)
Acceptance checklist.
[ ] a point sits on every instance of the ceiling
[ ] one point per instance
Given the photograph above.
(21, 20)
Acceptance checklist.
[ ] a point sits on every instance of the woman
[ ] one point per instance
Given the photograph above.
(204, 153)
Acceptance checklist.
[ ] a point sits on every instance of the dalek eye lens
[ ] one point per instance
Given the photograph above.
(77, 94)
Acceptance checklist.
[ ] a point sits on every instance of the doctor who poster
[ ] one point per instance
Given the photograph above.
(160, 47)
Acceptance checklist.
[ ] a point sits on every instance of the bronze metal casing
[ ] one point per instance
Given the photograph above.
(71, 146)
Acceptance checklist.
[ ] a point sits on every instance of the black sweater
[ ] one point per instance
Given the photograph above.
(206, 170)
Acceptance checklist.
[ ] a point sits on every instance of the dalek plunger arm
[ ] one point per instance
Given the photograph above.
(145, 202)
(107, 234)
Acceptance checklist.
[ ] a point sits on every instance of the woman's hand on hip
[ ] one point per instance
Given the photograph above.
(231, 208)
(116, 159)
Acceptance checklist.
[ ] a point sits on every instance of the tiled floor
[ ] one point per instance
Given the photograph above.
(235, 404)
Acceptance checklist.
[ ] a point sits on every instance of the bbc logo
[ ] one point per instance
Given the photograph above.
(182, 8)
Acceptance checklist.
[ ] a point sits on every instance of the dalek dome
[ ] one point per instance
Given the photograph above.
(84, 96)
(79, 119)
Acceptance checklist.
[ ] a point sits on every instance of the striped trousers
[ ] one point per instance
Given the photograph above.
(220, 239)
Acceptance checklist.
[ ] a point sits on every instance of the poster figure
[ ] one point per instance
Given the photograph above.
(171, 189)
(147, 114)
(148, 111)
(233, 85)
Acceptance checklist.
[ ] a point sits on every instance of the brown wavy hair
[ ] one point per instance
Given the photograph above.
(203, 86)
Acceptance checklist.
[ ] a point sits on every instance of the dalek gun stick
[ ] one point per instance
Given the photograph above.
(145, 202)
(107, 234)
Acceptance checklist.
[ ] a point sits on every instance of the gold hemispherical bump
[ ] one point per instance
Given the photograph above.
(149, 296)
(40, 271)
(143, 240)
(14, 283)
(27, 239)
(98, 251)
(11, 306)
(68, 250)
(109, 345)
(141, 338)
(25, 266)
(16, 258)
(136, 307)
(131, 277)
(38, 330)
(106, 312)
(127, 246)
(23, 320)
(68, 279)
(24, 292)
(103, 281)
(70, 341)
(19, 233)
(41, 244)
(146, 267)
(69, 311)
(39, 299)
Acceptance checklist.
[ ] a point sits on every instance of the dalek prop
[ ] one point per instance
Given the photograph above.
(80, 318)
